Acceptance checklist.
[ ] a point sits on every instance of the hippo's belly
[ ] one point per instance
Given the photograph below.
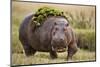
(41, 48)
(48, 49)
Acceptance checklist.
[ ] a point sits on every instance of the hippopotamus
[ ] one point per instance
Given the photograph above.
(53, 36)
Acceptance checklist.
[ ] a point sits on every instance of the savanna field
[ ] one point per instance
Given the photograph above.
(82, 19)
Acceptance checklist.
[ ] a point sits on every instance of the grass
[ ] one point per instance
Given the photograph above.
(44, 58)
(86, 38)
(21, 9)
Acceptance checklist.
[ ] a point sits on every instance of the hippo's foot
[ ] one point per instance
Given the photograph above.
(53, 54)
(72, 49)
(69, 59)
(29, 51)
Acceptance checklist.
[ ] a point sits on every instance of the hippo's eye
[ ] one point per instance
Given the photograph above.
(67, 25)
(55, 23)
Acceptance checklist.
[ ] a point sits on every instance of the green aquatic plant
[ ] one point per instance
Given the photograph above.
(44, 12)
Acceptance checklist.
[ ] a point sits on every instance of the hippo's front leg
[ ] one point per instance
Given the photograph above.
(53, 54)
(72, 49)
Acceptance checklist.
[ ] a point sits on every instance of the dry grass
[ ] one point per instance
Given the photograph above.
(27, 7)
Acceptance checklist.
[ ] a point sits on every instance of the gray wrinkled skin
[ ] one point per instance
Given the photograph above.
(53, 36)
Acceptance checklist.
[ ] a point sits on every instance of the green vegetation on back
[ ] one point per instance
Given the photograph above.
(44, 12)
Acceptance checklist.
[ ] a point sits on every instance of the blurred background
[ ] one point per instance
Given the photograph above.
(82, 19)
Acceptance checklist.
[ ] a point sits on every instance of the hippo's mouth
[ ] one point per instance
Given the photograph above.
(59, 49)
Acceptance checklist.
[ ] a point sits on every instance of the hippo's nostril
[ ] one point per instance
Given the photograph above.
(61, 39)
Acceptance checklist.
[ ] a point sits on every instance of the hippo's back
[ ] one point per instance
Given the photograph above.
(24, 27)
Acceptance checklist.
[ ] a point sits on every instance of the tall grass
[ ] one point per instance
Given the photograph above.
(16, 44)
(86, 39)
(81, 20)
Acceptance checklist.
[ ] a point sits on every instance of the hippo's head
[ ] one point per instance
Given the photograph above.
(59, 40)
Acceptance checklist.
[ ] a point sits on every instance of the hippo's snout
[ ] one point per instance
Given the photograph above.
(58, 45)
(58, 39)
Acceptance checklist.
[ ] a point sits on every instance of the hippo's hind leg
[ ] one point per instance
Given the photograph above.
(28, 49)
(53, 54)
(72, 49)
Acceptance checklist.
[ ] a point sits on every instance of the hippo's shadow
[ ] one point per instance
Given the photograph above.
(41, 55)
(61, 56)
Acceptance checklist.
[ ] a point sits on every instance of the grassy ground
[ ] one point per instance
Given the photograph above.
(20, 10)
(42, 58)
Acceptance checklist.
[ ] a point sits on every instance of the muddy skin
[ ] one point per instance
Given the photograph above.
(54, 35)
